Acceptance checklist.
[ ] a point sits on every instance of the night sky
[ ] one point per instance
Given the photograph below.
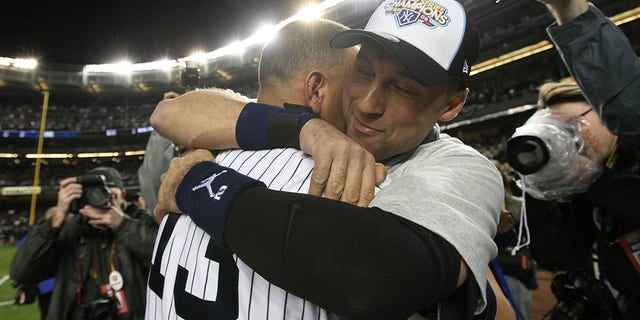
(96, 31)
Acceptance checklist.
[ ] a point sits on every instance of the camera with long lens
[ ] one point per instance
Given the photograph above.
(95, 192)
(581, 297)
(555, 153)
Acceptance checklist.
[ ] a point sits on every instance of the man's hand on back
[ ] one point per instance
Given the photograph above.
(170, 180)
(343, 169)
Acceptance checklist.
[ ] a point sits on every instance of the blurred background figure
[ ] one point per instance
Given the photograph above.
(158, 154)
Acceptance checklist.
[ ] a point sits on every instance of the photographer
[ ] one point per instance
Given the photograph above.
(97, 246)
(580, 182)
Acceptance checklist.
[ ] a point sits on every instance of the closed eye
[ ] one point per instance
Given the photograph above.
(364, 72)
(404, 89)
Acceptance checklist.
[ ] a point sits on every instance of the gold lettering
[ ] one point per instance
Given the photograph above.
(435, 15)
(430, 9)
(443, 20)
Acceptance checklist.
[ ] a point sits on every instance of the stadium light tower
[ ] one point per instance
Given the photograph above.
(263, 34)
(19, 63)
(191, 75)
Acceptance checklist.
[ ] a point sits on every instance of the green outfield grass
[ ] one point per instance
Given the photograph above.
(8, 310)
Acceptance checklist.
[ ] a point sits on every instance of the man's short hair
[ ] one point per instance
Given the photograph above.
(552, 93)
(299, 45)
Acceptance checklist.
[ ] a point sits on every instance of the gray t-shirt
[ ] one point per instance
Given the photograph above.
(158, 155)
(454, 191)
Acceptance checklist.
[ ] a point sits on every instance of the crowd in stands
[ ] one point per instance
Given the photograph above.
(91, 117)
(14, 224)
(75, 118)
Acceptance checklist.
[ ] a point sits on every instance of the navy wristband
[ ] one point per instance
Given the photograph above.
(206, 194)
(262, 126)
(251, 127)
(284, 128)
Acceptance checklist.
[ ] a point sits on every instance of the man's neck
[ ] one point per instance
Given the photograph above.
(275, 99)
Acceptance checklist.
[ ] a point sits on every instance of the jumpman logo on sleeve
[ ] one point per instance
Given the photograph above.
(207, 183)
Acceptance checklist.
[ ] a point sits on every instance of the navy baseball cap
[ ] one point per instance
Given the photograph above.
(433, 39)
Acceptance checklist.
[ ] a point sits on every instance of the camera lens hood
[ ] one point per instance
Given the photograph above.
(527, 154)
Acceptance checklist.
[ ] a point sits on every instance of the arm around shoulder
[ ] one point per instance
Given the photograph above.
(200, 119)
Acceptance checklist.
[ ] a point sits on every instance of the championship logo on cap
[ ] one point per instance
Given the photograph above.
(423, 12)
(433, 39)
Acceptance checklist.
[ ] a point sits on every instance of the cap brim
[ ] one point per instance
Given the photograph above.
(424, 69)
(115, 185)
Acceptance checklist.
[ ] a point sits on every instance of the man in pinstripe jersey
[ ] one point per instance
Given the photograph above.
(192, 277)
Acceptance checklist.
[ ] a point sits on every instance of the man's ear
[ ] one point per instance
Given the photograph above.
(455, 104)
(312, 97)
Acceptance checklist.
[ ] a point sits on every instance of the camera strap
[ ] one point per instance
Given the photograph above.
(524, 239)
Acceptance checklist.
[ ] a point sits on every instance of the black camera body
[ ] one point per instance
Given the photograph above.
(582, 297)
(101, 309)
(95, 192)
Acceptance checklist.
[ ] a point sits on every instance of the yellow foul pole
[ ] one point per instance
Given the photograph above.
(36, 176)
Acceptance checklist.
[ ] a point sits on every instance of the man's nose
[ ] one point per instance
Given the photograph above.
(374, 100)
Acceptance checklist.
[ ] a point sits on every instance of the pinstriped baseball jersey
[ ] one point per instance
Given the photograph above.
(191, 278)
